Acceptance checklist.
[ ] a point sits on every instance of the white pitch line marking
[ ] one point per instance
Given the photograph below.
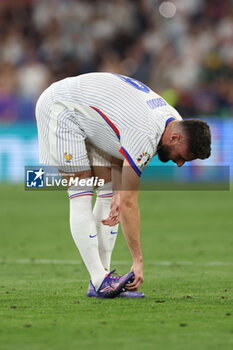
(114, 262)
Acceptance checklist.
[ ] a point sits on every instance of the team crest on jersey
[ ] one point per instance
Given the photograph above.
(68, 157)
(143, 160)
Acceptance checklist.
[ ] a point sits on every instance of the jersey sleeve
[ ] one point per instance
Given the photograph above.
(137, 148)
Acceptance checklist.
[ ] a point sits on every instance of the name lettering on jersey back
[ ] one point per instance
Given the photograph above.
(156, 102)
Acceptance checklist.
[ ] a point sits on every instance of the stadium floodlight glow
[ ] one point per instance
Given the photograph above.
(167, 9)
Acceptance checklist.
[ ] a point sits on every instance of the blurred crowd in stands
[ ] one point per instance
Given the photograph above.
(187, 58)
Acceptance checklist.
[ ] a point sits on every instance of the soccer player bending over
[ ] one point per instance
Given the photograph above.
(110, 126)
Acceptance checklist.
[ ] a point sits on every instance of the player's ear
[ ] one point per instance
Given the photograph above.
(175, 137)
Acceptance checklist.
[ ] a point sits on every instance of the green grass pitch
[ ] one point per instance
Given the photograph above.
(188, 262)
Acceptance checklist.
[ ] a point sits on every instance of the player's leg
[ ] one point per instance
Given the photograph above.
(106, 234)
(83, 227)
(101, 168)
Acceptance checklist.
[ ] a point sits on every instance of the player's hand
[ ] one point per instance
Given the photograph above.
(114, 215)
(137, 268)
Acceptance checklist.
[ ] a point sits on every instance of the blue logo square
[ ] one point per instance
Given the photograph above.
(35, 178)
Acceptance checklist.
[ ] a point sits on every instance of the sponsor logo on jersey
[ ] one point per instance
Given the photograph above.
(143, 160)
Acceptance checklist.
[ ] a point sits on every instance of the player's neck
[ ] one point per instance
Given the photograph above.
(168, 129)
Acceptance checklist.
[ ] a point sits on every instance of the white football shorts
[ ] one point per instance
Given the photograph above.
(61, 141)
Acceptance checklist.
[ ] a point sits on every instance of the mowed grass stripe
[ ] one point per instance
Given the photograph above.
(115, 262)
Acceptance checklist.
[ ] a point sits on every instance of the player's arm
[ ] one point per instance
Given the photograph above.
(116, 171)
(130, 220)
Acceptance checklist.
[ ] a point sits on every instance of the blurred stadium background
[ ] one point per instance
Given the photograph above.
(182, 49)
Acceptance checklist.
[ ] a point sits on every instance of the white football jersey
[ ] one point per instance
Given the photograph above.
(118, 114)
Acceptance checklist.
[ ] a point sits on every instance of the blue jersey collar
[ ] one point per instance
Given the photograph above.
(169, 120)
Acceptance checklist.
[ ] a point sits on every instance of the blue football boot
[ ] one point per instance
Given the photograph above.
(131, 294)
(91, 292)
(112, 285)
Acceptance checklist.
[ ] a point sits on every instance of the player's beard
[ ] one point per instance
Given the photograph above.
(164, 152)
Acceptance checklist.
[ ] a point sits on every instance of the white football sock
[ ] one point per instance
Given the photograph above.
(83, 229)
(106, 235)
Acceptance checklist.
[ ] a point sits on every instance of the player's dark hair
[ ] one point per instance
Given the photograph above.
(199, 136)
